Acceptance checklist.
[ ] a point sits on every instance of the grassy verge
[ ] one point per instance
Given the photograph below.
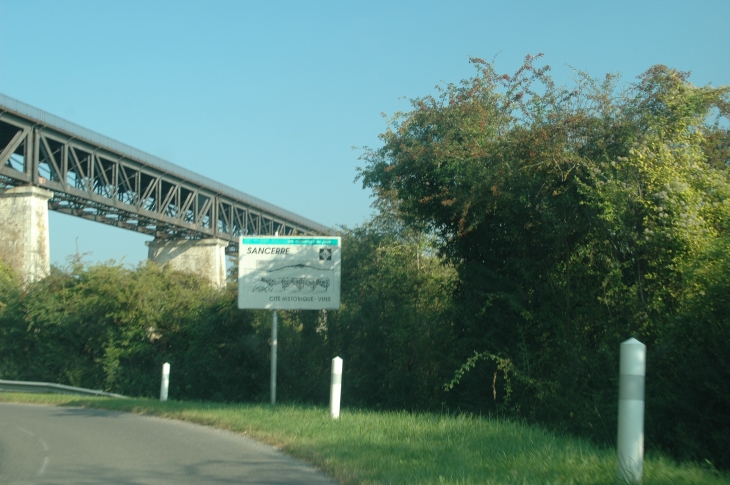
(367, 447)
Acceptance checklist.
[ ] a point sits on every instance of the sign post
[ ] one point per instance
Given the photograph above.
(288, 273)
(274, 346)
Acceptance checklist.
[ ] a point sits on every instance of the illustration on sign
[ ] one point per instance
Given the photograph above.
(289, 273)
(302, 277)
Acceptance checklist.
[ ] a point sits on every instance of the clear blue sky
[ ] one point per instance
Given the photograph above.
(270, 97)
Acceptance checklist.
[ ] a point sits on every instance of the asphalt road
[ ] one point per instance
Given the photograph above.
(59, 445)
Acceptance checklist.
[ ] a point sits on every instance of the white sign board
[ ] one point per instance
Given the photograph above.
(289, 273)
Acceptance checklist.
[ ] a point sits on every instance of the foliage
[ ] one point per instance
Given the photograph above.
(693, 360)
(393, 330)
(509, 372)
(9, 286)
(109, 327)
(573, 217)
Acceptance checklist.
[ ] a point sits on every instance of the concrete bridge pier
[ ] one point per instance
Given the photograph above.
(205, 257)
(24, 244)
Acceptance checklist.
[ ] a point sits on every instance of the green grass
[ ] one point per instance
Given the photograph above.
(368, 447)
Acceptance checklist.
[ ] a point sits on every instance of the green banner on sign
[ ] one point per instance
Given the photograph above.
(304, 241)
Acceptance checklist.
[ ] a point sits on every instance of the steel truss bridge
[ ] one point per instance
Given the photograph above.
(100, 179)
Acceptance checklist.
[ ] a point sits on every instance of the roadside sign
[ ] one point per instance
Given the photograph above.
(289, 273)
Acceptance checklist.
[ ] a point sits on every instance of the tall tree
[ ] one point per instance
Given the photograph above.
(570, 214)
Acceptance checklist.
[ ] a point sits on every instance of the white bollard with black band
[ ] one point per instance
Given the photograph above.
(631, 411)
(336, 388)
(165, 385)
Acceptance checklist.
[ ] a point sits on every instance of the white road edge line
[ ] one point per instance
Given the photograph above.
(43, 467)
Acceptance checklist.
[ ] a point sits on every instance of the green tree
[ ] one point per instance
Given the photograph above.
(570, 215)
(393, 329)
(10, 326)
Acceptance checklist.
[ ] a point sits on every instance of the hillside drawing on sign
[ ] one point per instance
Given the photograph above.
(292, 278)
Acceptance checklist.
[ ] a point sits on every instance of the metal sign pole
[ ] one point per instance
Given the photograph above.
(274, 325)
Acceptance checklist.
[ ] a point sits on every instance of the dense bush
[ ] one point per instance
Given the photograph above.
(394, 328)
(577, 217)
(109, 327)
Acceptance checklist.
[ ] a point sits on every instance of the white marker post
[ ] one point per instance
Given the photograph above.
(631, 411)
(274, 345)
(336, 388)
(165, 381)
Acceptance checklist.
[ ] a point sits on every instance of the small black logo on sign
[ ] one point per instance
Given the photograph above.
(325, 254)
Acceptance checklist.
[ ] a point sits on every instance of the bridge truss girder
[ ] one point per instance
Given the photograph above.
(95, 182)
